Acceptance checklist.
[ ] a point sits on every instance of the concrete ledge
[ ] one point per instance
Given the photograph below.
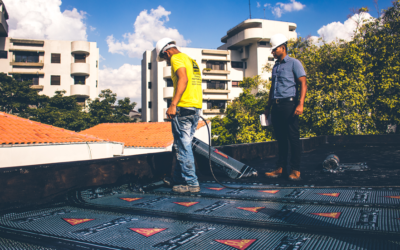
(27, 41)
(389, 139)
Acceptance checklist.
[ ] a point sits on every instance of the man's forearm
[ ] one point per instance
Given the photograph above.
(303, 91)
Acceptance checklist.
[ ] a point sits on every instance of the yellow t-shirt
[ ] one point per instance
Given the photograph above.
(193, 96)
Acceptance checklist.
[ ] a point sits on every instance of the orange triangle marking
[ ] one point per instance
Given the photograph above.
(251, 209)
(334, 215)
(238, 244)
(186, 204)
(330, 194)
(217, 189)
(269, 191)
(393, 197)
(130, 199)
(147, 231)
(74, 222)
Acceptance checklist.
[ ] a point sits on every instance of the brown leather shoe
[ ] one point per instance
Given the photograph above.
(295, 175)
(274, 173)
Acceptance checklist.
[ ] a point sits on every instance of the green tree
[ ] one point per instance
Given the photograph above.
(17, 96)
(241, 122)
(103, 110)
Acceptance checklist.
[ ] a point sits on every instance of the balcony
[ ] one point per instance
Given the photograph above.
(80, 90)
(3, 25)
(215, 52)
(80, 69)
(216, 72)
(212, 111)
(168, 92)
(27, 64)
(216, 91)
(167, 72)
(27, 42)
(37, 87)
(80, 47)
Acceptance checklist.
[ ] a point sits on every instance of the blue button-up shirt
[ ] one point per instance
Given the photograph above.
(284, 76)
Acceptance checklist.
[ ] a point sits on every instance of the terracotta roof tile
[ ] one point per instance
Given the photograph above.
(17, 130)
(141, 134)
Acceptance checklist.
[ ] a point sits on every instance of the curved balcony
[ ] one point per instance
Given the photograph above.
(244, 38)
(80, 90)
(168, 92)
(80, 47)
(80, 69)
(167, 72)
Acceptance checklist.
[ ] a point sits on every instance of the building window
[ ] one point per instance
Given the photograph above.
(169, 101)
(149, 65)
(81, 80)
(97, 63)
(140, 110)
(237, 65)
(30, 57)
(170, 83)
(96, 83)
(149, 85)
(3, 54)
(80, 101)
(26, 78)
(149, 105)
(55, 80)
(55, 58)
(263, 43)
(235, 84)
(80, 58)
(216, 85)
(271, 59)
(216, 104)
(215, 65)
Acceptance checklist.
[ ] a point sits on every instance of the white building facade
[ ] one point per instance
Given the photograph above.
(246, 50)
(72, 66)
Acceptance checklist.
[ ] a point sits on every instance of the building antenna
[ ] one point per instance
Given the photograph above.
(249, 9)
(264, 13)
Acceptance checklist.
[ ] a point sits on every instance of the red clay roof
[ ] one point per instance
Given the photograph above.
(141, 134)
(17, 130)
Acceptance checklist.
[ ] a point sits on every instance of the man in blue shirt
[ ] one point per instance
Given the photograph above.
(287, 104)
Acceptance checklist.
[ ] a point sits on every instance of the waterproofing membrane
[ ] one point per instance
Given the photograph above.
(108, 230)
(348, 196)
(252, 212)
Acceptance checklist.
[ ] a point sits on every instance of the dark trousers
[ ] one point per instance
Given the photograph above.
(286, 128)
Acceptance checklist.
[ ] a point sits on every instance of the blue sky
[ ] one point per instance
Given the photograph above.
(199, 24)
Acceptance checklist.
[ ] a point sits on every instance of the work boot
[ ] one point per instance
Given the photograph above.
(274, 174)
(295, 175)
(180, 188)
(194, 189)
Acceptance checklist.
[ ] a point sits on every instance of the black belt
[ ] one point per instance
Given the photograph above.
(288, 99)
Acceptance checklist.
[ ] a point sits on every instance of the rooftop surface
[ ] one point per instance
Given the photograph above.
(279, 214)
(17, 130)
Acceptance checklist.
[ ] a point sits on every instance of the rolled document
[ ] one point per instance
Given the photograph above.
(265, 122)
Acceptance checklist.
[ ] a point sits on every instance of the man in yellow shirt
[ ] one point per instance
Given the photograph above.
(184, 112)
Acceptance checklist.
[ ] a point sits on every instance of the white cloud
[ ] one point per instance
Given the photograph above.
(281, 8)
(148, 29)
(101, 58)
(345, 31)
(43, 19)
(258, 5)
(124, 81)
(92, 28)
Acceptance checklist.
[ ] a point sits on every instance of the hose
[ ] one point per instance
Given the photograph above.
(267, 188)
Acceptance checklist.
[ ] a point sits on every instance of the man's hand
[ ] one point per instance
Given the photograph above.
(299, 110)
(266, 112)
(171, 112)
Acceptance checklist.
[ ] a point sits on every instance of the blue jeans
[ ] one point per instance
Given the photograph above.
(183, 129)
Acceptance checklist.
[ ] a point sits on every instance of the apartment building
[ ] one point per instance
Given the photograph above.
(51, 65)
(245, 51)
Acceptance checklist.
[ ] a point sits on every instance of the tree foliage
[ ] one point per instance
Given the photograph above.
(353, 87)
(17, 97)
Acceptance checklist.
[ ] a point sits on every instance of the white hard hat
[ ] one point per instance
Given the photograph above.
(277, 40)
(160, 46)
